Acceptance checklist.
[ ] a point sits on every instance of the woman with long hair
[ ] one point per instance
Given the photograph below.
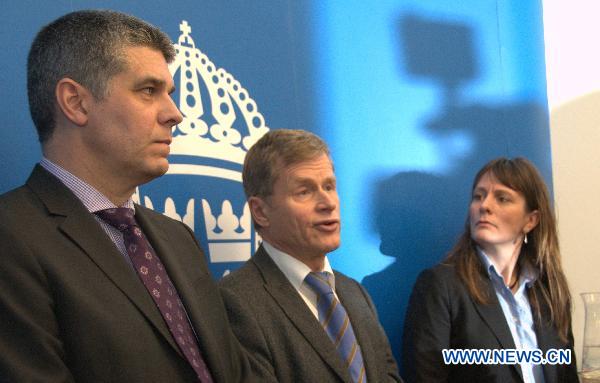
(500, 291)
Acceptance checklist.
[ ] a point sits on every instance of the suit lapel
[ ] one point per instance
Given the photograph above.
(83, 230)
(356, 310)
(194, 286)
(299, 315)
(161, 247)
(493, 316)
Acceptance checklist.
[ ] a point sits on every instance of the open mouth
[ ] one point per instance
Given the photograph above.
(329, 225)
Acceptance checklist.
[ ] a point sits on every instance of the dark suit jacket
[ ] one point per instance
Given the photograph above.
(284, 339)
(441, 315)
(72, 309)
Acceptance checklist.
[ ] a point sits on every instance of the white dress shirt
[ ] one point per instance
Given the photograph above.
(295, 271)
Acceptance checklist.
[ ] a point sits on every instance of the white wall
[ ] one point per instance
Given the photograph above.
(571, 30)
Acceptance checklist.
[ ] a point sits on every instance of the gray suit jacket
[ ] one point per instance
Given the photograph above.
(284, 339)
(73, 309)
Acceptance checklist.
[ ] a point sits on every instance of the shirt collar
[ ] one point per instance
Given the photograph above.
(91, 198)
(294, 269)
(527, 276)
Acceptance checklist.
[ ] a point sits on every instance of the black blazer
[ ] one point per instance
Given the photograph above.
(284, 339)
(73, 309)
(441, 314)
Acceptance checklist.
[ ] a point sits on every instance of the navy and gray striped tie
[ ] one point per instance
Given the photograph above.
(335, 321)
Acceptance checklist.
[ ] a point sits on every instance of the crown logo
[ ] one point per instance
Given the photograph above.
(211, 132)
(228, 236)
(220, 123)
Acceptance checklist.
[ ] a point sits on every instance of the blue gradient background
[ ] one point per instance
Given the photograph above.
(413, 96)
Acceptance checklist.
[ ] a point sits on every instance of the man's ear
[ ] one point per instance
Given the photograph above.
(74, 100)
(260, 211)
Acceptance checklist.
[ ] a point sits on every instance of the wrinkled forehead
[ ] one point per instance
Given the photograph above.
(316, 166)
(316, 162)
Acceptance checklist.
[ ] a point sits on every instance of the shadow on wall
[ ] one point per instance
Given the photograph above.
(419, 215)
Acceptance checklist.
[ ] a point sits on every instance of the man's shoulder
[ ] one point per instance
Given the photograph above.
(16, 203)
(15, 194)
(344, 281)
(258, 271)
(243, 280)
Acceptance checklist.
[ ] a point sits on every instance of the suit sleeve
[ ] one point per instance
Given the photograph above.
(383, 343)
(427, 330)
(251, 336)
(30, 346)
(570, 370)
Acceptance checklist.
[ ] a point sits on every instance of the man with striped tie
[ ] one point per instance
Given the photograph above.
(300, 320)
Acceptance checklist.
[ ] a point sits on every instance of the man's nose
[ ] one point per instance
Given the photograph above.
(170, 115)
(328, 200)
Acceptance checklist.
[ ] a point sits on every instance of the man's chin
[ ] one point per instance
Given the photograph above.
(155, 171)
(161, 166)
(328, 248)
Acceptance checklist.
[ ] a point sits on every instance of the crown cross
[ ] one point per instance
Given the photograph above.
(185, 28)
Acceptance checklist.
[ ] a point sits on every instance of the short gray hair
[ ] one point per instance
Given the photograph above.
(86, 46)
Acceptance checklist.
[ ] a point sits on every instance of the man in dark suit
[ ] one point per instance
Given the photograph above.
(300, 320)
(93, 287)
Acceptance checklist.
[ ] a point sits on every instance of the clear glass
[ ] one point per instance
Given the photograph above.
(590, 372)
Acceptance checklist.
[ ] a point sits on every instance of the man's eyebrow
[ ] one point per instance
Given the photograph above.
(308, 180)
(300, 180)
(150, 80)
(154, 81)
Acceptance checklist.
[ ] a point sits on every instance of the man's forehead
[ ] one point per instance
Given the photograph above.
(145, 64)
(322, 167)
(145, 60)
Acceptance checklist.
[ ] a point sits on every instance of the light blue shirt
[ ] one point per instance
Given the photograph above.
(517, 312)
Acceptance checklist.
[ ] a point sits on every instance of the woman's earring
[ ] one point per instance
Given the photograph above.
(525, 240)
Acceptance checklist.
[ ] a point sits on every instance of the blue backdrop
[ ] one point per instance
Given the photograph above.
(413, 96)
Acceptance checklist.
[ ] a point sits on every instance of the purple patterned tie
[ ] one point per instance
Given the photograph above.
(154, 276)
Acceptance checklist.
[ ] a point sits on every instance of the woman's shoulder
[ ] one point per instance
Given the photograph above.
(442, 278)
(444, 270)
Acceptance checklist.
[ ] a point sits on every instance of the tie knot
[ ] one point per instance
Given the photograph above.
(320, 282)
(120, 218)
